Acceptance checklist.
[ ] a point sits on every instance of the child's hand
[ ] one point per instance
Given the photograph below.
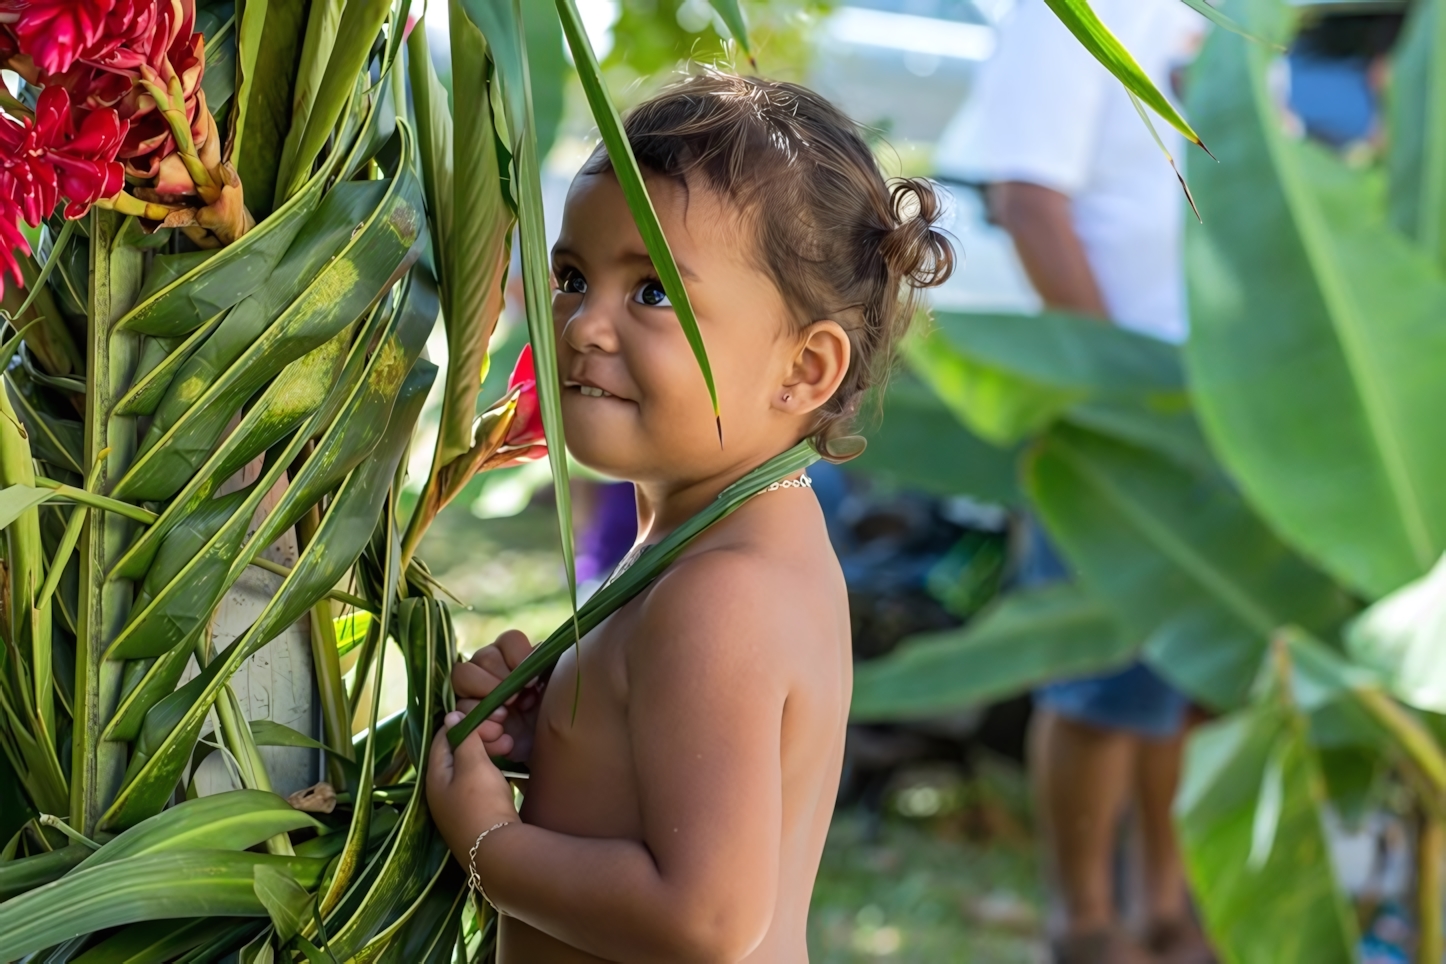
(508, 731)
(466, 793)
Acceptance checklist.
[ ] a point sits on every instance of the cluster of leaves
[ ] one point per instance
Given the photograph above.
(1229, 527)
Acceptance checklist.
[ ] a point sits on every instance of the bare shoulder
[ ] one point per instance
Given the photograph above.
(761, 593)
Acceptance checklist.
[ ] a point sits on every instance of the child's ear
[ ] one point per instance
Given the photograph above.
(819, 364)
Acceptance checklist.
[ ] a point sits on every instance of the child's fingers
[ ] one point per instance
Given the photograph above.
(439, 760)
(514, 647)
(471, 752)
(473, 681)
(499, 745)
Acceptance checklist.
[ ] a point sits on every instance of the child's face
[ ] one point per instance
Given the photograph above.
(617, 334)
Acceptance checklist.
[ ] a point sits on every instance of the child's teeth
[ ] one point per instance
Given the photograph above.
(594, 392)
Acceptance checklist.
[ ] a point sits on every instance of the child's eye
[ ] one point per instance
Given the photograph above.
(571, 281)
(653, 295)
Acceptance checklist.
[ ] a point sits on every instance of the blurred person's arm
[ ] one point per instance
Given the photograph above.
(1040, 222)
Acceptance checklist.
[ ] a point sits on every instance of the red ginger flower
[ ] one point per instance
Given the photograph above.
(526, 428)
(46, 159)
(102, 66)
(57, 33)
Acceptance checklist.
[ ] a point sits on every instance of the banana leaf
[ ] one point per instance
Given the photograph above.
(1028, 638)
(1184, 564)
(1255, 846)
(1315, 327)
(1008, 377)
(917, 442)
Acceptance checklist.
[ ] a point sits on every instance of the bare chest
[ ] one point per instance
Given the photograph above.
(582, 779)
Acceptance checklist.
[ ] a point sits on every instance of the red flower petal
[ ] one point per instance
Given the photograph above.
(526, 426)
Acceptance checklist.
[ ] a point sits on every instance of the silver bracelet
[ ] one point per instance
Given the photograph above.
(473, 880)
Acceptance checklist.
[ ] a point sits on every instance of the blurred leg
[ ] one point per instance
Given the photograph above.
(1157, 774)
(1082, 775)
(1171, 931)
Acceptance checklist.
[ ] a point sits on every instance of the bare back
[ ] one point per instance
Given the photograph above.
(637, 759)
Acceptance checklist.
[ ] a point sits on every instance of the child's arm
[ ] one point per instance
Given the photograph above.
(705, 708)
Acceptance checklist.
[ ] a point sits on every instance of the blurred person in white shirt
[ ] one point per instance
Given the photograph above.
(1075, 177)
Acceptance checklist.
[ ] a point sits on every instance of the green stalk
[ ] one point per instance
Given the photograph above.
(26, 558)
(115, 281)
(237, 733)
(67, 541)
(1430, 849)
(326, 665)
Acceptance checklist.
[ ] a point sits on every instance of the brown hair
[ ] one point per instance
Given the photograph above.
(838, 240)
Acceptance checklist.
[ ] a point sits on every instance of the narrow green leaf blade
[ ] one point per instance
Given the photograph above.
(268, 48)
(732, 13)
(1088, 29)
(630, 176)
(190, 883)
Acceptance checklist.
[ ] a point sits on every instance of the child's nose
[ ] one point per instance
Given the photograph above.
(591, 327)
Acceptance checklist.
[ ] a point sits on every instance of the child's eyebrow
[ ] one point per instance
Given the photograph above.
(642, 257)
(631, 257)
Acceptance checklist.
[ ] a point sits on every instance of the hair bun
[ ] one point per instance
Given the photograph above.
(915, 250)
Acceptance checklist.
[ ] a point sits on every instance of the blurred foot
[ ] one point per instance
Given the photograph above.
(1106, 946)
(1179, 942)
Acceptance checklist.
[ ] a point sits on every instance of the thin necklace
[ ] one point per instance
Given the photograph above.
(636, 552)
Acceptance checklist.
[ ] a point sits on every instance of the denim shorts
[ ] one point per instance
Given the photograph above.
(1134, 699)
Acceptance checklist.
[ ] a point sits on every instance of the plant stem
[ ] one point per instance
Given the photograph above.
(115, 281)
(1430, 849)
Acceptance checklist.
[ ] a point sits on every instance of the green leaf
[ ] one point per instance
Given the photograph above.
(1402, 638)
(27, 873)
(249, 347)
(1416, 116)
(413, 859)
(271, 733)
(187, 883)
(361, 21)
(286, 902)
(345, 529)
(732, 13)
(1315, 329)
(474, 224)
(150, 385)
(230, 275)
(351, 631)
(1252, 788)
(633, 580)
(269, 42)
(1107, 49)
(1009, 376)
(502, 28)
(918, 443)
(1184, 564)
(630, 177)
(1028, 638)
(547, 70)
(15, 500)
(150, 941)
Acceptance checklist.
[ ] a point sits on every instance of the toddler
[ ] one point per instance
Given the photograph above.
(678, 802)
